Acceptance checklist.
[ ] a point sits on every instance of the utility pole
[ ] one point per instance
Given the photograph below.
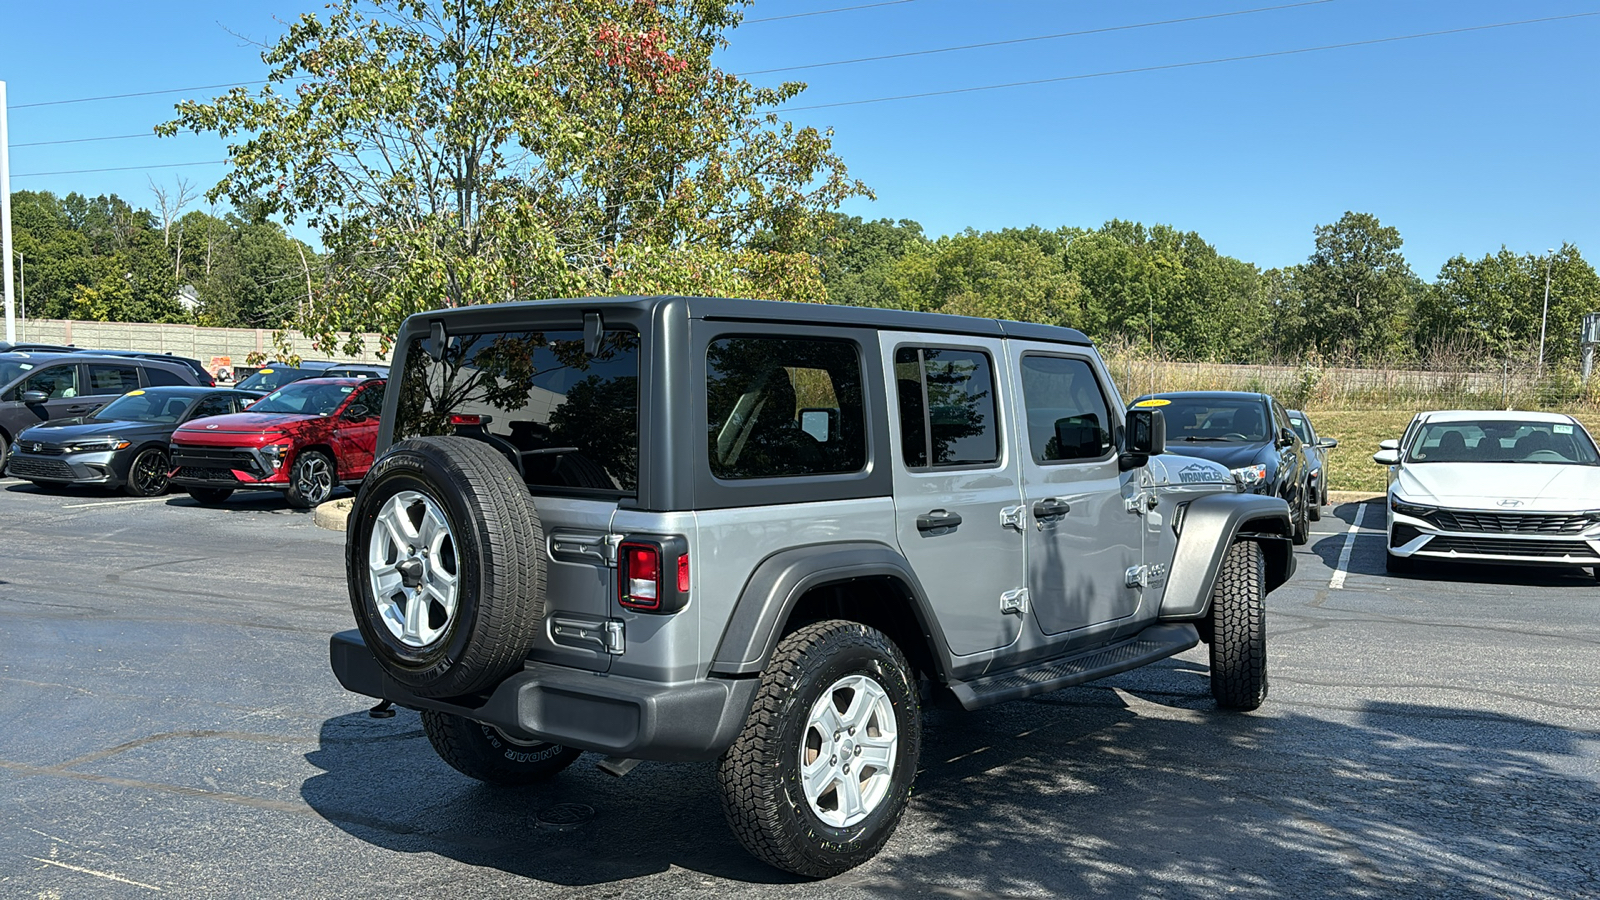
(1549, 256)
(5, 218)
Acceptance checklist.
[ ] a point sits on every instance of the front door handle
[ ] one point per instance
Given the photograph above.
(1051, 508)
(938, 521)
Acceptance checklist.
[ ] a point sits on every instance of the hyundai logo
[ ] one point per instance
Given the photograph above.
(1510, 503)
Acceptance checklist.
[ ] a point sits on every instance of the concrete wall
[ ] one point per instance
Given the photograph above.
(180, 340)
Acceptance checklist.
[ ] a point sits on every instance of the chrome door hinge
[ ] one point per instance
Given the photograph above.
(1011, 517)
(1014, 603)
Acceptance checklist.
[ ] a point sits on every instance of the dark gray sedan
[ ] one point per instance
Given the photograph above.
(120, 445)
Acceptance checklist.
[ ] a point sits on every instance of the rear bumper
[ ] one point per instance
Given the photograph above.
(608, 714)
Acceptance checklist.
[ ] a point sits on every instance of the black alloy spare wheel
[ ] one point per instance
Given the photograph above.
(444, 556)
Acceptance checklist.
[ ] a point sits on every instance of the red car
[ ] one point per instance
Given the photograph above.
(306, 438)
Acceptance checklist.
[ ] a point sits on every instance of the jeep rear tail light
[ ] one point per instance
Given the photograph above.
(653, 574)
(459, 419)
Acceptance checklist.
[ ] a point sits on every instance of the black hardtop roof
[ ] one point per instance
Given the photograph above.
(723, 308)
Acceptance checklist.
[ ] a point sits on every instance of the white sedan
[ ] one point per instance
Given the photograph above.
(1497, 487)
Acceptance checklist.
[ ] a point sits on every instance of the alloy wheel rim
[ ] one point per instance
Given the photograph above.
(412, 568)
(314, 479)
(150, 472)
(848, 751)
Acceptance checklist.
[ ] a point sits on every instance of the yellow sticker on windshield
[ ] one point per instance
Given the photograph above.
(1153, 401)
(264, 372)
(134, 393)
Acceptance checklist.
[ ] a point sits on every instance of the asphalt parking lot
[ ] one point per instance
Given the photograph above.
(171, 727)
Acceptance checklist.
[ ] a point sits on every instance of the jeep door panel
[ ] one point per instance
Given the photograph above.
(955, 482)
(1084, 530)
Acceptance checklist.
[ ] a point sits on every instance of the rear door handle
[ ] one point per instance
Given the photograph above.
(938, 522)
(1051, 509)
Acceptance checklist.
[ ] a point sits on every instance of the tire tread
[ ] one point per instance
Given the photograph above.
(1238, 629)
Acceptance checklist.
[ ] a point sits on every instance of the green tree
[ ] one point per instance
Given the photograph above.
(1358, 289)
(480, 150)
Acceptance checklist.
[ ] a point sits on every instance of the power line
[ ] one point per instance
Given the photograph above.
(1025, 40)
(824, 12)
(212, 162)
(109, 137)
(1186, 65)
(202, 87)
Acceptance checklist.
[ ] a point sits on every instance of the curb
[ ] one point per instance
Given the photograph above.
(332, 515)
(1337, 497)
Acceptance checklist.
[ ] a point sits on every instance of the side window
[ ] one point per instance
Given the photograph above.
(781, 406)
(105, 378)
(947, 415)
(1068, 418)
(214, 405)
(156, 375)
(372, 399)
(58, 383)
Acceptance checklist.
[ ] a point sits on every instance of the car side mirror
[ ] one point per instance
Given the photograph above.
(357, 412)
(1387, 457)
(1146, 436)
(1389, 445)
(1328, 443)
(820, 422)
(1285, 438)
(34, 398)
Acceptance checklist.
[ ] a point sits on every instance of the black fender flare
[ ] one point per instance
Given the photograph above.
(1210, 526)
(780, 580)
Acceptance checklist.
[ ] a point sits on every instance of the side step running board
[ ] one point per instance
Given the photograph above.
(1154, 643)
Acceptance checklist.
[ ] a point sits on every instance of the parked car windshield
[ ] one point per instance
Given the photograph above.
(1502, 442)
(271, 378)
(1301, 428)
(142, 406)
(305, 399)
(1216, 420)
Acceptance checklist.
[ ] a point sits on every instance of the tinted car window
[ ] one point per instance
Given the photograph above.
(947, 415)
(1216, 420)
(215, 405)
(105, 378)
(10, 369)
(1301, 428)
(1068, 417)
(1502, 441)
(306, 399)
(56, 382)
(570, 420)
(141, 406)
(758, 393)
(372, 398)
(272, 378)
(161, 377)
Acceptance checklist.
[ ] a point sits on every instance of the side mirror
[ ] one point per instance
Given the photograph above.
(1146, 432)
(1285, 437)
(357, 412)
(1389, 445)
(1328, 443)
(819, 422)
(34, 398)
(1387, 457)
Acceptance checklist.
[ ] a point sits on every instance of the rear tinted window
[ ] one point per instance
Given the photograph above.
(947, 413)
(780, 406)
(272, 378)
(566, 419)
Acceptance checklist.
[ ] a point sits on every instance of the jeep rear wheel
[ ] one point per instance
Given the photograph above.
(1239, 629)
(819, 777)
(445, 561)
(488, 754)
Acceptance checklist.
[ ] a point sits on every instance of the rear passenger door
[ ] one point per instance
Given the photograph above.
(957, 485)
(1085, 519)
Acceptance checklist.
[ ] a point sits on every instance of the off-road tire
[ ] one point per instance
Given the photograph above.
(499, 548)
(298, 497)
(759, 775)
(1239, 629)
(482, 752)
(134, 488)
(209, 496)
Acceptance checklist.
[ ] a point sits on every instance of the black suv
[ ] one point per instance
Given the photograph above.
(762, 533)
(1249, 433)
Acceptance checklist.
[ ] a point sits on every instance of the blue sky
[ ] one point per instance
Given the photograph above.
(1463, 141)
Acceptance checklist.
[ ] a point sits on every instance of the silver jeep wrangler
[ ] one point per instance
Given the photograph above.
(767, 534)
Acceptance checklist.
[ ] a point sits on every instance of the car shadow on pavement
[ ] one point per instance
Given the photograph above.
(1073, 793)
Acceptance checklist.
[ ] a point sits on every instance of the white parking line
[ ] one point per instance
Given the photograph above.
(115, 502)
(1336, 583)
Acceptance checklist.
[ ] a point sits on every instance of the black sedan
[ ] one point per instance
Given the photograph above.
(1250, 434)
(122, 444)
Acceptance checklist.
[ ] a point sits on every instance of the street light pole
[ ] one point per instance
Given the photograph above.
(1544, 317)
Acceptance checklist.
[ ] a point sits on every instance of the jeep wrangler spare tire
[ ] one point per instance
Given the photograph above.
(488, 754)
(1238, 626)
(819, 777)
(445, 561)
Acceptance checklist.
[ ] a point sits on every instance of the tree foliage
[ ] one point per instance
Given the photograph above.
(481, 150)
(1357, 289)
